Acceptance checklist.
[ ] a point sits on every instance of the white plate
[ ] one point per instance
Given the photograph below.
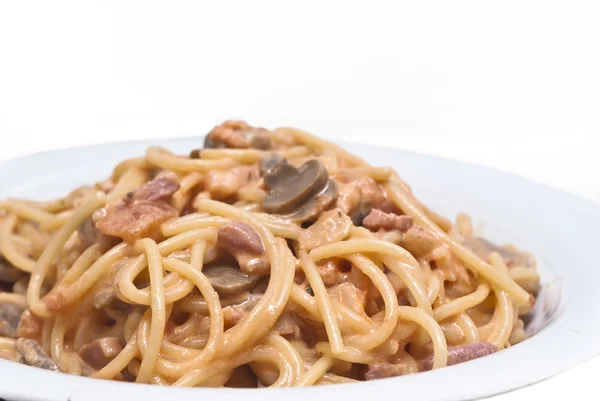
(559, 229)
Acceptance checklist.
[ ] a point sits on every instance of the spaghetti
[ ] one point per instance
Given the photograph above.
(266, 258)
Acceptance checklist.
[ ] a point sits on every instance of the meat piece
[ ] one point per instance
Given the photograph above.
(90, 235)
(419, 241)
(359, 195)
(483, 248)
(287, 326)
(30, 326)
(222, 185)
(381, 370)
(34, 355)
(378, 220)
(8, 273)
(234, 314)
(238, 135)
(332, 226)
(100, 352)
(246, 246)
(159, 189)
(141, 212)
(462, 354)
(10, 315)
(330, 272)
(349, 295)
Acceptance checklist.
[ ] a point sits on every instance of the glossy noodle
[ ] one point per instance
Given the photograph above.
(263, 258)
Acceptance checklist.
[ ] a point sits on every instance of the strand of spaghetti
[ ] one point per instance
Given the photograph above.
(504, 313)
(120, 362)
(350, 354)
(51, 206)
(81, 264)
(31, 213)
(260, 353)
(330, 378)
(192, 221)
(7, 343)
(131, 179)
(127, 276)
(314, 142)
(7, 247)
(164, 159)
(215, 339)
(468, 327)
(380, 334)
(9, 297)
(266, 312)
(503, 317)
(127, 164)
(316, 371)
(42, 265)
(323, 304)
(279, 226)
(57, 343)
(157, 327)
(377, 173)
(491, 274)
(250, 156)
(58, 220)
(426, 321)
(61, 298)
(345, 315)
(411, 263)
(461, 304)
(292, 355)
(394, 262)
(434, 286)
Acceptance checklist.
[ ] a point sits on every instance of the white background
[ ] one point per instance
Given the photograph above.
(511, 84)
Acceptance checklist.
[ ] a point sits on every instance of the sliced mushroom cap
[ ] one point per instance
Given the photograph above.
(483, 248)
(310, 210)
(8, 273)
(269, 162)
(10, 315)
(34, 355)
(229, 280)
(289, 188)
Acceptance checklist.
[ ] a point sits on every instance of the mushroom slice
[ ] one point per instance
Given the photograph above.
(100, 352)
(311, 209)
(289, 188)
(268, 163)
(483, 248)
(34, 355)
(10, 315)
(229, 280)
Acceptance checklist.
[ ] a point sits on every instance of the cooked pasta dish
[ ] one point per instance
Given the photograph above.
(263, 258)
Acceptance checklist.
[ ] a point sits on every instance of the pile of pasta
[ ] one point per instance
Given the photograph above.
(262, 258)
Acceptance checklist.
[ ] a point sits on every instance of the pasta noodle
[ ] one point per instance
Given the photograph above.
(266, 258)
